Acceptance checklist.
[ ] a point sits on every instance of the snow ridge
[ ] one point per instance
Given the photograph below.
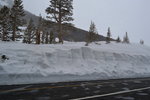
(72, 61)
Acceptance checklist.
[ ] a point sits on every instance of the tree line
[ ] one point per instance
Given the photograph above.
(38, 33)
(92, 36)
(10, 20)
(59, 11)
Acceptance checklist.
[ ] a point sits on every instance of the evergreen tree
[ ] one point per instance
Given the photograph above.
(60, 11)
(141, 42)
(118, 40)
(29, 33)
(40, 23)
(92, 34)
(51, 37)
(4, 22)
(108, 36)
(17, 12)
(126, 39)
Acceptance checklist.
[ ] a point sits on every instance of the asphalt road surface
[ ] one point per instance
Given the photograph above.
(123, 89)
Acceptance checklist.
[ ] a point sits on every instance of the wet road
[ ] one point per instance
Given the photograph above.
(123, 89)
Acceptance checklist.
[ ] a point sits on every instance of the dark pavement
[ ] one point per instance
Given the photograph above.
(123, 89)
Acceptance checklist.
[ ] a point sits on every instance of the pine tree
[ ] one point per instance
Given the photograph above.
(4, 22)
(108, 35)
(40, 23)
(126, 39)
(17, 12)
(29, 33)
(51, 37)
(92, 34)
(118, 40)
(141, 42)
(60, 11)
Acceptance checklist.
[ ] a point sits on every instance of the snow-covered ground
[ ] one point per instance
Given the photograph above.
(71, 62)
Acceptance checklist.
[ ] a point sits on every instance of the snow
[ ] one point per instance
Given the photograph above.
(7, 3)
(72, 61)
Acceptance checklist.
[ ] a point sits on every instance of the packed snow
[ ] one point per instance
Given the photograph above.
(72, 61)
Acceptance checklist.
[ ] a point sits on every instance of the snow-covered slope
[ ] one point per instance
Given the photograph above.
(7, 3)
(72, 61)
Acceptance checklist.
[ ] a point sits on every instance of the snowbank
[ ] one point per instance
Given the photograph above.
(72, 61)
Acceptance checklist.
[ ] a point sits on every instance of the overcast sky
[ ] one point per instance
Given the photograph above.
(132, 16)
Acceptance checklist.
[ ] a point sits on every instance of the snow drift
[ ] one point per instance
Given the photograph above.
(72, 62)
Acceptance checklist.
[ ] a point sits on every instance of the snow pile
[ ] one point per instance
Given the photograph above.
(72, 61)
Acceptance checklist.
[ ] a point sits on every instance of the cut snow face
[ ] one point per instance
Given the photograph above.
(72, 61)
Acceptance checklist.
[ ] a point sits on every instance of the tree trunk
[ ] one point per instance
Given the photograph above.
(60, 34)
(46, 40)
(14, 32)
(29, 38)
(60, 25)
(37, 37)
(4, 34)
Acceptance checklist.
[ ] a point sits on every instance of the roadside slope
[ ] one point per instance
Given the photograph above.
(72, 61)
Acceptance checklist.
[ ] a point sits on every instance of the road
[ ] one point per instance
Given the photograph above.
(122, 89)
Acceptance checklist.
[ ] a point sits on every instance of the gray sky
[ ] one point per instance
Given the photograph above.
(132, 16)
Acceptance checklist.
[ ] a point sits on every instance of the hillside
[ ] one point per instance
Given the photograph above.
(72, 61)
(74, 34)
(8, 3)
